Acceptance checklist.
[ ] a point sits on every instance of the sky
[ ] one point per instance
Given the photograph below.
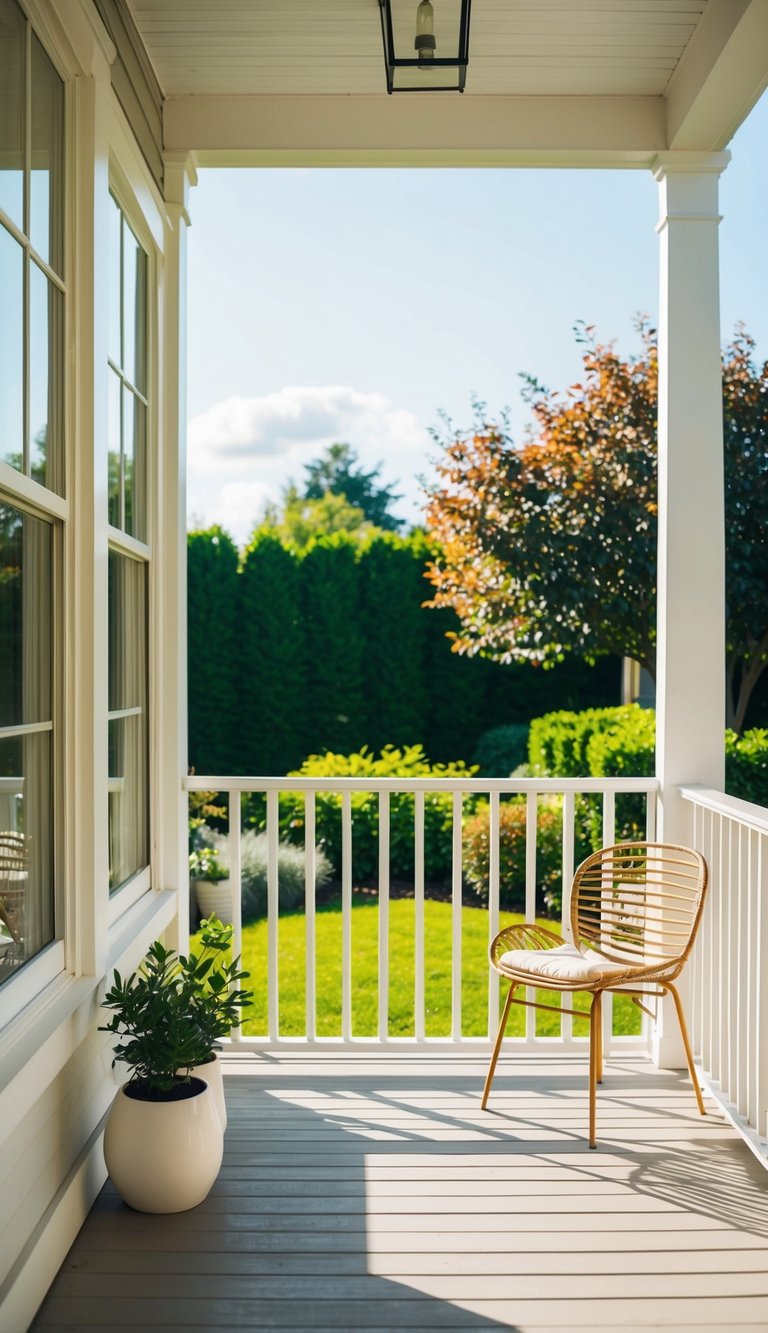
(357, 305)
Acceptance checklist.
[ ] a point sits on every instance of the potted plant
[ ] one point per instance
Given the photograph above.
(163, 1141)
(211, 884)
(215, 999)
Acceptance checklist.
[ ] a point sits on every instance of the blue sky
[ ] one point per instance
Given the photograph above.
(354, 304)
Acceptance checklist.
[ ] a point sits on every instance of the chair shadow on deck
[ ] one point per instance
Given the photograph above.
(377, 1201)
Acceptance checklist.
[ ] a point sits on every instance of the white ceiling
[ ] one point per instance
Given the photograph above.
(294, 47)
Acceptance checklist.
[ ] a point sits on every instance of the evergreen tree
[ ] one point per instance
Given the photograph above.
(211, 596)
(337, 471)
(333, 646)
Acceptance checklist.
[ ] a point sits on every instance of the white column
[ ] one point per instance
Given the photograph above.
(172, 545)
(690, 654)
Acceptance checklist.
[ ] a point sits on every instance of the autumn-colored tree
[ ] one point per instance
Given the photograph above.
(550, 547)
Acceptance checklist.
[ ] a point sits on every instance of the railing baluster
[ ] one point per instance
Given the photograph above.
(235, 884)
(609, 838)
(753, 883)
(273, 971)
(494, 848)
(418, 912)
(531, 833)
(569, 814)
(456, 919)
(310, 967)
(383, 915)
(761, 998)
(346, 916)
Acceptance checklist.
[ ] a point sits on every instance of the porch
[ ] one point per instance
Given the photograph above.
(369, 1191)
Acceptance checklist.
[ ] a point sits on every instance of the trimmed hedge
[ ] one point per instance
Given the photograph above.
(501, 750)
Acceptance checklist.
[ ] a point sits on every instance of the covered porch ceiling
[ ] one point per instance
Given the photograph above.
(566, 82)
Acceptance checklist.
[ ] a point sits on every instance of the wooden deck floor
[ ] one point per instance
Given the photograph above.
(371, 1193)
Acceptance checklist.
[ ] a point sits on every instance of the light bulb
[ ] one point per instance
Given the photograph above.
(425, 43)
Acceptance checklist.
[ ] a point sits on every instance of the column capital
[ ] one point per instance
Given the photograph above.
(179, 176)
(689, 164)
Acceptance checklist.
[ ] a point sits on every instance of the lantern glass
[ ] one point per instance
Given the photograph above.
(407, 69)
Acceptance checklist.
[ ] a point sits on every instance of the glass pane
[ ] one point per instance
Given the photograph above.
(12, 31)
(26, 849)
(128, 735)
(115, 230)
(25, 618)
(46, 191)
(114, 449)
(134, 445)
(46, 310)
(134, 311)
(11, 351)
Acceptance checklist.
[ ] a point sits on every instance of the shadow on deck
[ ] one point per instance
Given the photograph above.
(369, 1192)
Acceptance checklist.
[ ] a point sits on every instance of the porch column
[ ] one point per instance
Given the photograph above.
(172, 533)
(690, 654)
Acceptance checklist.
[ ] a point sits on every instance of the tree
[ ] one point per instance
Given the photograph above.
(303, 520)
(214, 708)
(550, 548)
(337, 472)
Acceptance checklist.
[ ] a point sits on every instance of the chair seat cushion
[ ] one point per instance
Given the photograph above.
(563, 963)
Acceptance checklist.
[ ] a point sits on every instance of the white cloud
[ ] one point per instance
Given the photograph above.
(242, 451)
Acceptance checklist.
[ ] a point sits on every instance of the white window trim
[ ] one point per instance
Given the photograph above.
(32, 977)
(127, 895)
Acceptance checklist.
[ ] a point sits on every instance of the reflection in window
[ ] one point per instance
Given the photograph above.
(128, 732)
(26, 738)
(128, 377)
(32, 200)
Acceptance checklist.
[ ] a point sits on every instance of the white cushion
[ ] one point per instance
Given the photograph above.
(563, 963)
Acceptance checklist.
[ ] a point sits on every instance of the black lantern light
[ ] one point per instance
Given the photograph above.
(426, 45)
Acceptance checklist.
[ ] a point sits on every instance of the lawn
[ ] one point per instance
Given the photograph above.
(437, 979)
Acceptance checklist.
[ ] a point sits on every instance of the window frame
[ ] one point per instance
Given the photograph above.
(21, 490)
(127, 894)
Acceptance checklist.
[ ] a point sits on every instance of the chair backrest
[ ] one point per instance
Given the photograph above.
(640, 903)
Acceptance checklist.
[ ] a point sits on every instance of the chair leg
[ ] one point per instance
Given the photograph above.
(497, 1047)
(595, 1020)
(599, 1034)
(686, 1043)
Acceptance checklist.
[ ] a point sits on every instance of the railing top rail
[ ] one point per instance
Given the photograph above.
(744, 812)
(507, 786)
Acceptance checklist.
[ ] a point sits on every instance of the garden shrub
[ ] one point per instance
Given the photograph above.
(501, 750)
(409, 762)
(558, 742)
(253, 864)
(512, 840)
(746, 765)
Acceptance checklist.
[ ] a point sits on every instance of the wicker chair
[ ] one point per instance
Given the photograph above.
(13, 882)
(635, 910)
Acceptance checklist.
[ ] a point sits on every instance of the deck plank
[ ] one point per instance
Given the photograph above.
(370, 1193)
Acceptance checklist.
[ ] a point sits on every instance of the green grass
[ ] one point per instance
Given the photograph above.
(437, 978)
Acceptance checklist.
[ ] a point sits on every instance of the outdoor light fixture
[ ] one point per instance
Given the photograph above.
(426, 45)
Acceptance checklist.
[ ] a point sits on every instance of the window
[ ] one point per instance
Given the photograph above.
(31, 254)
(128, 760)
(128, 377)
(32, 295)
(128, 556)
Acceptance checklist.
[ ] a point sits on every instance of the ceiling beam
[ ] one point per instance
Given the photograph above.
(720, 76)
(436, 130)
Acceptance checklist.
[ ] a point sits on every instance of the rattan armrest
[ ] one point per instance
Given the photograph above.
(524, 936)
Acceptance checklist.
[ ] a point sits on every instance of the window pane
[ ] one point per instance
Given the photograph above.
(128, 735)
(134, 445)
(46, 194)
(12, 32)
(114, 449)
(46, 310)
(11, 351)
(115, 306)
(25, 618)
(26, 849)
(134, 310)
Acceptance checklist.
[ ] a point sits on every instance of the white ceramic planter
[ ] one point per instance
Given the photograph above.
(211, 1074)
(163, 1157)
(214, 896)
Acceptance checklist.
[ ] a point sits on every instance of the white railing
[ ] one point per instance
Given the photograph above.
(729, 979)
(568, 790)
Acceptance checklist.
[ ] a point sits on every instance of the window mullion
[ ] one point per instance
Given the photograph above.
(26, 189)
